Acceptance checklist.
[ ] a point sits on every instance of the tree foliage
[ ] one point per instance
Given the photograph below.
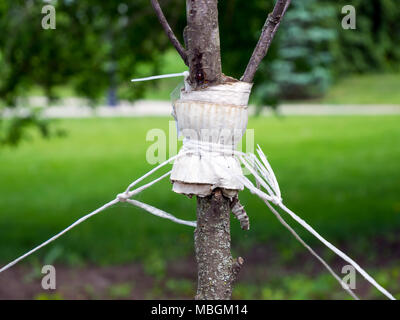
(96, 44)
(374, 45)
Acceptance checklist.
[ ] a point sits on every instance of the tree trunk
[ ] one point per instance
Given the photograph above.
(212, 240)
(202, 42)
(216, 268)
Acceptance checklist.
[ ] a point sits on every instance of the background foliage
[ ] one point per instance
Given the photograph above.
(99, 44)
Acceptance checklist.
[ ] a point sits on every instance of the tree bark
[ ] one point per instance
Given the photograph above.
(217, 270)
(202, 42)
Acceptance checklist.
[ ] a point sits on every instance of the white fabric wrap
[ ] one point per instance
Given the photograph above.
(216, 116)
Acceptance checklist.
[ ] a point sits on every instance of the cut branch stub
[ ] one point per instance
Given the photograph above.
(240, 214)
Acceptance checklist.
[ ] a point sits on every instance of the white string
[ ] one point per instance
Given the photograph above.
(171, 75)
(337, 251)
(122, 197)
(276, 199)
(324, 263)
(160, 213)
(267, 179)
(107, 205)
(151, 172)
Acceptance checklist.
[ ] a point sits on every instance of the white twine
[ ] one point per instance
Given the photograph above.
(265, 177)
(162, 76)
(268, 180)
(122, 197)
(324, 263)
(107, 205)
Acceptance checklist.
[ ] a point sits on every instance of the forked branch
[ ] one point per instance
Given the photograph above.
(268, 32)
(164, 23)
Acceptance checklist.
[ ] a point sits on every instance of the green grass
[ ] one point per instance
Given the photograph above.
(365, 89)
(341, 174)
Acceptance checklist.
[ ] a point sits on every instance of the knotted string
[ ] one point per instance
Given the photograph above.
(122, 197)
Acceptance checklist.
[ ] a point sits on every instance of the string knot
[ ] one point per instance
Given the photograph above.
(122, 197)
(276, 200)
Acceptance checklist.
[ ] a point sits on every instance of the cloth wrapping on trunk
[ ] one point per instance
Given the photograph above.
(216, 116)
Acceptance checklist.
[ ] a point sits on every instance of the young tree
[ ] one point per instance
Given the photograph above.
(217, 270)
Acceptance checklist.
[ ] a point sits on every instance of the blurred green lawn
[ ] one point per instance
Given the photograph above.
(365, 89)
(341, 174)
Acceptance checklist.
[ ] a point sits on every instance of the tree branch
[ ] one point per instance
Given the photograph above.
(268, 32)
(164, 23)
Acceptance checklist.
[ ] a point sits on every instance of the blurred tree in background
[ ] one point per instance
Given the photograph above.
(98, 45)
(374, 45)
(311, 49)
(92, 40)
(302, 66)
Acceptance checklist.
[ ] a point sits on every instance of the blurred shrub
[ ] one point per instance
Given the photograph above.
(96, 45)
(311, 48)
(374, 45)
(49, 296)
(154, 265)
(182, 287)
(120, 290)
(302, 66)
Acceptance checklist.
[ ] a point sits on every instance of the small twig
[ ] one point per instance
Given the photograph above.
(164, 23)
(236, 267)
(268, 32)
(240, 214)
